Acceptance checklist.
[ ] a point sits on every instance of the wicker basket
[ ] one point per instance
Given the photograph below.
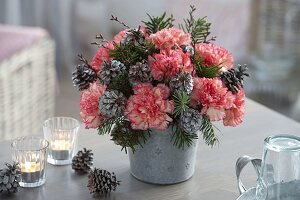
(27, 90)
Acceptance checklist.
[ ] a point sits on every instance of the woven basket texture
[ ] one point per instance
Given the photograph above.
(27, 90)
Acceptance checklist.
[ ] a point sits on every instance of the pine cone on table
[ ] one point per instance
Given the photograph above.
(83, 76)
(139, 73)
(112, 103)
(182, 81)
(191, 120)
(102, 182)
(10, 178)
(234, 78)
(110, 70)
(83, 161)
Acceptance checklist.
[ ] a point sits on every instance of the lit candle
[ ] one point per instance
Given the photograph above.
(61, 145)
(60, 149)
(30, 167)
(31, 171)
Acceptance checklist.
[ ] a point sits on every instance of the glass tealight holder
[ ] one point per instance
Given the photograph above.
(31, 153)
(61, 132)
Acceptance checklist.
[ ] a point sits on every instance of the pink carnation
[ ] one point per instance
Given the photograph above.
(212, 96)
(119, 37)
(213, 55)
(89, 101)
(148, 107)
(168, 63)
(101, 55)
(234, 116)
(170, 37)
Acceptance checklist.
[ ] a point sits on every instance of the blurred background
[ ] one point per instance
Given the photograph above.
(40, 40)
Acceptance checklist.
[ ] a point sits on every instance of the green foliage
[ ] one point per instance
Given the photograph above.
(122, 84)
(206, 71)
(208, 132)
(181, 100)
(198, 28)
(180, 138)
(123, 135)
(131, 53)
(158, 23)
(107, 126)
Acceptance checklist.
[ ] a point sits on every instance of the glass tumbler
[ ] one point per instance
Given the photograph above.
(278, 171)
(279, 177)
(61, 132)
(30, 152)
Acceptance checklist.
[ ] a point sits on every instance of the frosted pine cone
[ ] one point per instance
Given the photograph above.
(111, 69)
(83, 161)
(83, 76)
(10, 178)
(182, 81)
(102, 182)
(234, 78)
(139, 73)
(191, 120)
(112, 103)
(134, 36)
(188, 48)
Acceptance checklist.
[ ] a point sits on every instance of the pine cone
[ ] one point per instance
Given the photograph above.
(83, 161)
(234, 78)
(191, 120)
(83, 76)
(10, 178)
(139, 73)
(134, 36)
(187, 48)
(112, 103)
(182, 81)
(110, 70)
(102, 182)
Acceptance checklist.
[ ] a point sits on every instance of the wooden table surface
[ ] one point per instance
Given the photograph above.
(214, 178)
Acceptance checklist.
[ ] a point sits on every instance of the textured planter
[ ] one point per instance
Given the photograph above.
(160, 162)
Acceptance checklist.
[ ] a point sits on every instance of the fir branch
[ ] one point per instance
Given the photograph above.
(130, 54)
(122, 84)
(180, 138)
(113, 18)
(206, 71)
(198, 28)
(158, 23)
(107, 126)
(123, 135)
(208, 132)
(181, 100)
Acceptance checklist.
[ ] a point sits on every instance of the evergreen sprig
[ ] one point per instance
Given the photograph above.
(123, 135)
(181, 100)
(158, 23)
(208, 132)
(180, 138)
(131, 53)
(122, 84)
(198, 28)
(107, 126)
(206, 71)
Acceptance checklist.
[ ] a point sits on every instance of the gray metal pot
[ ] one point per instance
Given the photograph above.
(160, 162)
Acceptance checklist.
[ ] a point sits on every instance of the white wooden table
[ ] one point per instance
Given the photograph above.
(214, 178)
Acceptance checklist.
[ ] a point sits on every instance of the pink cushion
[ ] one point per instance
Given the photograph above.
(14, 39)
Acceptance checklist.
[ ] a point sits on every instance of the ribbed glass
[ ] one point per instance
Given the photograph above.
(61, 132)
(30, 152)
(280, 171)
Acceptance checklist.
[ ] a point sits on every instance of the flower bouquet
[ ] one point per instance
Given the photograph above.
(160, 81)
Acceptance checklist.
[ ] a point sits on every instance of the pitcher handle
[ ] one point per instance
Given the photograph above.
(240, 164)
